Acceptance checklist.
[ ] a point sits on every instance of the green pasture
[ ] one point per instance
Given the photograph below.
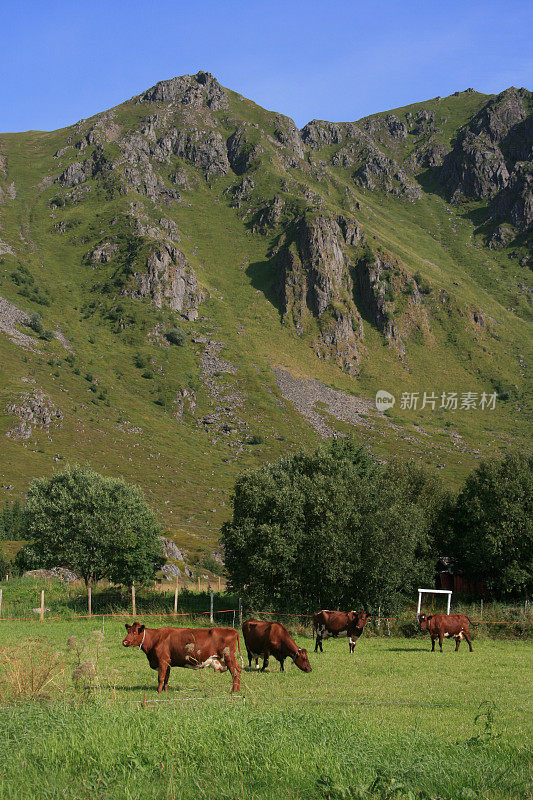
(391, 721)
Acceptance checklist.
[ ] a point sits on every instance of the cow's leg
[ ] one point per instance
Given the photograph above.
(281, 667)
(457, 643)
(265, 660)
(233, 666)
(167, 676)
(432, 644)
(249, 660)
(161, 674)
(317, 642)
(440, 641)
(467, 637)
(257, 663)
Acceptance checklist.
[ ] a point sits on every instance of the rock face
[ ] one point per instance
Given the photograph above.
(169, 281)
(380, 172)
(196, 91)
(80, 171)
(485, 162)
(372, 289)
(314, 280)
(515, 201)
(242, 151)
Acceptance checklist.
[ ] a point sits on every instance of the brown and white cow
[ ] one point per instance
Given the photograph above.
(265, 639)
(339, 623)
(192, 648)
(446, 626)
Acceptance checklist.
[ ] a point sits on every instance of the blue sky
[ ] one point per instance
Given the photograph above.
(62, 60)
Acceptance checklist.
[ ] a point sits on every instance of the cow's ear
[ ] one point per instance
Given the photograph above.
(128, 627)
(429, 617)
(141, 629)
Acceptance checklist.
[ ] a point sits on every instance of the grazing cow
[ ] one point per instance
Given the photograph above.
(446, 626)
(339, 623)
(272, 639)
(193, 648)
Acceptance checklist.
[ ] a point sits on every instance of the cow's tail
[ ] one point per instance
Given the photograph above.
(239, 648)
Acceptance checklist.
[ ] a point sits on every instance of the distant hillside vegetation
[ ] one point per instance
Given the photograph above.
(190, 285)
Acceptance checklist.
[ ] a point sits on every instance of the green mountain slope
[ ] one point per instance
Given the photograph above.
(304, 269)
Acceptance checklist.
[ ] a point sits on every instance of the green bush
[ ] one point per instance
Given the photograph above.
(176, 336)
(36, 324)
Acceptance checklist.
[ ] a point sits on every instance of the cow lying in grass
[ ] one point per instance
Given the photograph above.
(446, 626)
(272, 639)
(192, 648)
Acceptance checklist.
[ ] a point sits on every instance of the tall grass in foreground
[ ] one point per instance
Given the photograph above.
(109, 752)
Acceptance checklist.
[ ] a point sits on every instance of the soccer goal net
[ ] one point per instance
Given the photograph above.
(422, 592)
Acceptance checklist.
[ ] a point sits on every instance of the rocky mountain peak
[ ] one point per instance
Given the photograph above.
(195, 91)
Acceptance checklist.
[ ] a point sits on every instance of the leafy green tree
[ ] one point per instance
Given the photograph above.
(329, 528)
(11, 521)
(492, 525)
(101, 527)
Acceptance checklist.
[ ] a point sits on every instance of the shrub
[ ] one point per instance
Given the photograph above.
(176, 336)
(36, 324)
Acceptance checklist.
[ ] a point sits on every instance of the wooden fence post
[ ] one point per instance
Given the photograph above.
(198, 583)
(89, 601)
(219, 584)
(379, 617)
(481, 608)
(240, 612)
(210, 605)
(0, 602)
(176, 596)
(42, 604)
(133, 611)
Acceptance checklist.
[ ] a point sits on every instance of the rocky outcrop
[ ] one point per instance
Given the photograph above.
(475, 168)
(242, 151)
(269, 216)
(35, 410)
(80, 171)
(185, 401)
(195, 91)
(485, 153)
(392, 299)
(10, 318)
(515, 201)
(102, 253)
(372, 292)
(314, 280)
(200, 148)
(169, 281)
(319, 133)
(380, 172)
(288, 134)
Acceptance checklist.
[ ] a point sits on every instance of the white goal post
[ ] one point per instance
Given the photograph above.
(433, 591)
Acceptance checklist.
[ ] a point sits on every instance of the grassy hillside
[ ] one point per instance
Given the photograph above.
(125, 392)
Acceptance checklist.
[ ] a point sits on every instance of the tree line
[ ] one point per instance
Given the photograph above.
(333, 528)
(327, 528)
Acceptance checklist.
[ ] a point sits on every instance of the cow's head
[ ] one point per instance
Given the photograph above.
(362, 619)
(424, 621)
(301, 660)
(135, 635)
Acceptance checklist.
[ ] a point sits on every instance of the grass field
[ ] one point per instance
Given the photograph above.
(392, 721)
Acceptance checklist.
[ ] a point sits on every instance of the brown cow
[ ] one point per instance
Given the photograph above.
(339, 623)
(445, 626)
(272, 638)
(193, 648)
